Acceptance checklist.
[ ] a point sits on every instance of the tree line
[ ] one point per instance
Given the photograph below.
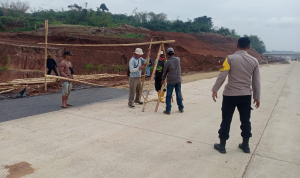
(15, 13)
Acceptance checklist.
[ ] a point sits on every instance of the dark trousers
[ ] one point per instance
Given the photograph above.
(170, 88)
(243, 104)
(158, 84)
(50, 70)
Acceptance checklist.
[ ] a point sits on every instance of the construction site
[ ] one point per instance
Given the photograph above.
(99, 136)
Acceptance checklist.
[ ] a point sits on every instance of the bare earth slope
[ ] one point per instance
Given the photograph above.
(25, 58)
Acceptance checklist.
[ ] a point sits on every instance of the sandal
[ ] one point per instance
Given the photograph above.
(68, 104)
(64, 107)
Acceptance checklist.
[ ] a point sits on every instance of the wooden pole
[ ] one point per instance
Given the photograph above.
(163, 86)
(152, 77)
(46, 41)
(145, 70)
(7, 90)
(73, 80)
(110, 45)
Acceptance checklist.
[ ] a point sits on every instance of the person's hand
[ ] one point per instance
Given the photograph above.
(162, 82)
(257, 103)
(214, 96)
(142, 67)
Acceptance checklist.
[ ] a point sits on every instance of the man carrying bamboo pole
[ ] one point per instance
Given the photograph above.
(135, 67)
(66, 70)
(173, 70)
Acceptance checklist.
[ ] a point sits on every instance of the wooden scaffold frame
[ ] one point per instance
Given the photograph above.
(161, 43)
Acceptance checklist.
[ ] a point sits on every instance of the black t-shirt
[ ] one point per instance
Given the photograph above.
(159, 68)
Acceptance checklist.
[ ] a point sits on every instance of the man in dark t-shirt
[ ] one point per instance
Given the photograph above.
(158, 76)
(51, 65)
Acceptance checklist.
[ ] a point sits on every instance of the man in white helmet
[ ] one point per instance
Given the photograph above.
(135, 68)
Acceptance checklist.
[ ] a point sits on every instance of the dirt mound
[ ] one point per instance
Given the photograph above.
(198, 52)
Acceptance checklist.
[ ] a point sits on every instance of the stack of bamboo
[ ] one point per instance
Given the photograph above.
(9, 86)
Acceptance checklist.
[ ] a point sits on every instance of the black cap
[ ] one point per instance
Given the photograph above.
(68, 53)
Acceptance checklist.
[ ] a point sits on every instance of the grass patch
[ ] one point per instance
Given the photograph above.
(117, 68)
(3, 69)
(88, 68)
(100, 67)
(129, 35)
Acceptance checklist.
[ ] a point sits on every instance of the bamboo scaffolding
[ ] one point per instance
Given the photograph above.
(145, 70)
(46, 41)
(73, 80)
(7, 90)
(152, 77)
(110, 45)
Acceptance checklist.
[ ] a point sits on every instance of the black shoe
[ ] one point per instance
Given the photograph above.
(167, 112)
(245, 148)
(131, 105)
(220, 148)
(139, 102)
(181, 110)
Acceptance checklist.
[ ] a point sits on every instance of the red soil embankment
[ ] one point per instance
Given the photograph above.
(21, 53)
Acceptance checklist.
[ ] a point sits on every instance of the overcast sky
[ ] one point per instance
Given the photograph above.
(276, 22)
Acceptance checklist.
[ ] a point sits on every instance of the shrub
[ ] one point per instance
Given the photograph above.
(100, 67)
(89, 68)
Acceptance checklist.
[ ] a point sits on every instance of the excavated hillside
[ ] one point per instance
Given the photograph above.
(22, 57)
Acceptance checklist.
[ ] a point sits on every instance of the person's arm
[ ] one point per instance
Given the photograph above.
(165, 71)
(61, 70)
(221, 78)
(256, 86)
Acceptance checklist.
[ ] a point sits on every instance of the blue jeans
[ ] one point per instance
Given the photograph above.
(170, 89)
(148, 71)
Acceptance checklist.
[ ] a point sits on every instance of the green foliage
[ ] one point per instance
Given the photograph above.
(117, 68)
(3, 69)
(16, 19)
(100, 67)
(130, 35)
(257, 44)
(89, 68)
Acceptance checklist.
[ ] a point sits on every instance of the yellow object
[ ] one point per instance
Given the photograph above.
(226, 65)
(162, 97)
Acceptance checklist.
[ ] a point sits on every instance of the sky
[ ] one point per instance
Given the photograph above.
(276, 22)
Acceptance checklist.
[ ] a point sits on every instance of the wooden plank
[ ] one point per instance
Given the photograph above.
(109, 45)
(73, 80)
(145, 70)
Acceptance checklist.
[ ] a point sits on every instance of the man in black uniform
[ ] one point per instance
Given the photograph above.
(158, 76)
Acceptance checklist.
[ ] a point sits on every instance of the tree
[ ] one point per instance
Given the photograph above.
(1, 13)
(257, 44)
(103, 7)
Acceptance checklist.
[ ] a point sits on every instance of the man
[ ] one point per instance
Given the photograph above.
(173, 70)
(135, 68)
(148, 68)
(66, 70)
(240, 68)
(158, 76)
(51, 65)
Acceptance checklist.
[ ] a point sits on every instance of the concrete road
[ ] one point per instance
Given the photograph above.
(108, 139)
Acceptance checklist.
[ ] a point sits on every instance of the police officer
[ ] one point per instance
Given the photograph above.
(242, 71)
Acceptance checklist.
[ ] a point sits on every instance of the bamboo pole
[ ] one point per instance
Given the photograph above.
(73, 80)
(109, 45)
(7, 90)
(46, 41)
(152, 77)
(145, 70)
